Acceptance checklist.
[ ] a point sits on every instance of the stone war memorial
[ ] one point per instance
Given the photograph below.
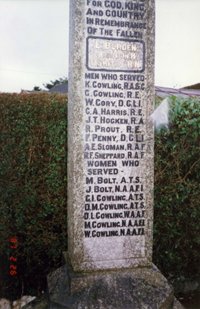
(110, 161)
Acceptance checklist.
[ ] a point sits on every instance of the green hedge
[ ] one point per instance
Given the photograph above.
(33, 187)
(177, 192)
(33, 183)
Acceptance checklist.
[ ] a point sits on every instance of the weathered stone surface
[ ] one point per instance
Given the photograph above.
(110, 154)
(59, 285)
(22, 302)
(38, 303)
(138, 289)
(177, 304)
(5, 304)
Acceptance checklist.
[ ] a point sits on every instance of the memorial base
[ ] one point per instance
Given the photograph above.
(141, 288)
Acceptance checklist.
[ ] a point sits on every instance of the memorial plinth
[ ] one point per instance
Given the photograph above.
(110, 161)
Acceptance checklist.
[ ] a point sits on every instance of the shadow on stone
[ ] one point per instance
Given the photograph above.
(121, 289)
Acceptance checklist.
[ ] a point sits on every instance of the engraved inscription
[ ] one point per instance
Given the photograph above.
(115, 124)
(115, 55)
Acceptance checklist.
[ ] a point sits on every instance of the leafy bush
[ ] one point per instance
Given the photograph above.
(177, 189)
(33, 184)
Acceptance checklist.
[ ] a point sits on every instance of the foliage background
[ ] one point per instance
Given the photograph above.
(33, 188)
(177, 190)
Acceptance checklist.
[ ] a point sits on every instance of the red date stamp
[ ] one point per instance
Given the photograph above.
(13, 242)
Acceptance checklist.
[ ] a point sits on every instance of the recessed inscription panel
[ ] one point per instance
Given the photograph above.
(115, 55)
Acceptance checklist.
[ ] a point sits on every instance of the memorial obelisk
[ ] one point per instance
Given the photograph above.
(110, 160)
